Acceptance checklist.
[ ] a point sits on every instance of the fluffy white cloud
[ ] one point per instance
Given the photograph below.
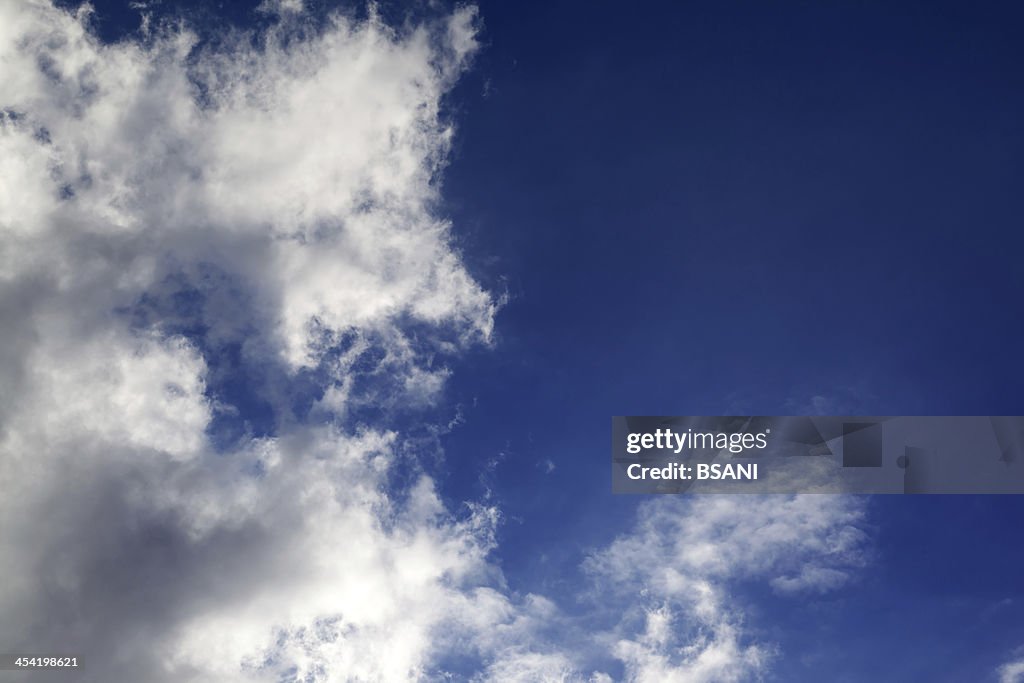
(301, 171)
(162, 202)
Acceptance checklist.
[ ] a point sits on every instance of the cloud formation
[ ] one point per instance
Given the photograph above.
(684, 558)
(176, 217)
(245, 234)
(665, 600)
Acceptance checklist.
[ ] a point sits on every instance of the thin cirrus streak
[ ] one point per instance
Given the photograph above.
(177, 216)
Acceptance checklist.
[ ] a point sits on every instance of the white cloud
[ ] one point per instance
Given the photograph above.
(660, 603)
(1011, 672)
(160, 204)
(305, 177)
(676, 571)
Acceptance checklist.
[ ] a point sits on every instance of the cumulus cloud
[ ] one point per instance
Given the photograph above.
(174, 215)
(246, 232)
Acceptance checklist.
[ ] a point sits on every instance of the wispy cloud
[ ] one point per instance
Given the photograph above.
(686, 555)
(661, 602)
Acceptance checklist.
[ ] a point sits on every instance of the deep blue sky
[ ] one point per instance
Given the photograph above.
(707, 208)
(719, 207)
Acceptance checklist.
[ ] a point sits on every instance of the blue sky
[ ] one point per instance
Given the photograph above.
(718, 209)
(337, 346)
